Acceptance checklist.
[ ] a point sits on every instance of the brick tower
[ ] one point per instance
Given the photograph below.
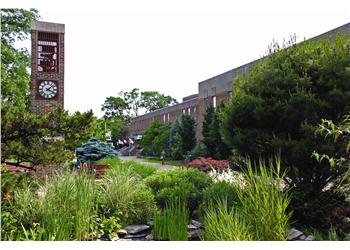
(47, 88)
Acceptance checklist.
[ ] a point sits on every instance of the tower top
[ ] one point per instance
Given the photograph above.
(48, 27)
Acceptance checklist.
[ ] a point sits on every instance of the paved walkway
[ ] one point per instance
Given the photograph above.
(133, 158)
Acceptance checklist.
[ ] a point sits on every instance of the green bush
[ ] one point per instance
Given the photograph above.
(277, 107)
(220, 191)
(121, 190)
(171, 222)
(186, 183)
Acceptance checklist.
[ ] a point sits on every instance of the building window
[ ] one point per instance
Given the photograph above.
(47, 52)
(194, 110)
(164, 118)
(206, 103)
(168, 117)
(189, 111)
(183, 111)
(214, 101)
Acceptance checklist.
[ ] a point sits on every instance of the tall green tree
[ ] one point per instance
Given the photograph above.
(114, 107)
(212, 139)
(276, 108)
(153, 100)
(156, 138)
(185, 138)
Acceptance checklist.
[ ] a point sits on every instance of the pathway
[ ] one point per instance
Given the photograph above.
(134, 158)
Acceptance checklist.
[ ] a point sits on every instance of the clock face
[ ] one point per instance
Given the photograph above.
(47, 89)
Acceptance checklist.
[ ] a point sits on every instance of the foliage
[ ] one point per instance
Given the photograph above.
(39, 140)
(124, 191)
(15, 60)
(320, 212)
(222, 223)
(153, 100)
(277, 106)
(171, 222)
(156, 138)
(11, 181)
(140, 169)
(207, 164)
(262, 213)
(114, 107)
(185, 183)
(94, 150)
(133, 99)
(27, 207)
(9, 228)
(218, 192)
(69, 206)
(212, 139)
(264, 205)
(102, 225)
(185, 138)
(341, 134)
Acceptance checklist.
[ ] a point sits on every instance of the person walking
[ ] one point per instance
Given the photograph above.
(162, 156)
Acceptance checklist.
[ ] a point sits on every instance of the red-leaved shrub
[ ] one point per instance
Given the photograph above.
(206, 164)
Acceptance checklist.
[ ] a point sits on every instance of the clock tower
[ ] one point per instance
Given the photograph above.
(47, 88)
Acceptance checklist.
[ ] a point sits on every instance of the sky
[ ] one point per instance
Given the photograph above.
(170, 46)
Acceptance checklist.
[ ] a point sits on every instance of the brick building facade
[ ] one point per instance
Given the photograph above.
(212, 91)
(47, 66)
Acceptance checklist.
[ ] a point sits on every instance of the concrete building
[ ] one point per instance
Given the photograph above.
(212, 91)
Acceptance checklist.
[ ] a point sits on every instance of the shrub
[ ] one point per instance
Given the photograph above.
(125, 192)
(224, 224)
(135, 167)
(277, 107)
(207, 164)
(220, 191)
(171, 222)
(188, 183)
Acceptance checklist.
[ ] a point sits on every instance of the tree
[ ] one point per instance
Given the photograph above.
(185, 138)
(156, 138)
(133, 99)
(212, 139)
(42, 140)
(276, 108)
(114, 107)
(153, 100)
(15, 77)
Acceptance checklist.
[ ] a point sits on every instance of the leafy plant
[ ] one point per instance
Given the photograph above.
(68, 206)
(224, 224)
(171, 222)
(8, 226)
(221, 191)
(187, 183)
(264, 205)
(124, 191)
